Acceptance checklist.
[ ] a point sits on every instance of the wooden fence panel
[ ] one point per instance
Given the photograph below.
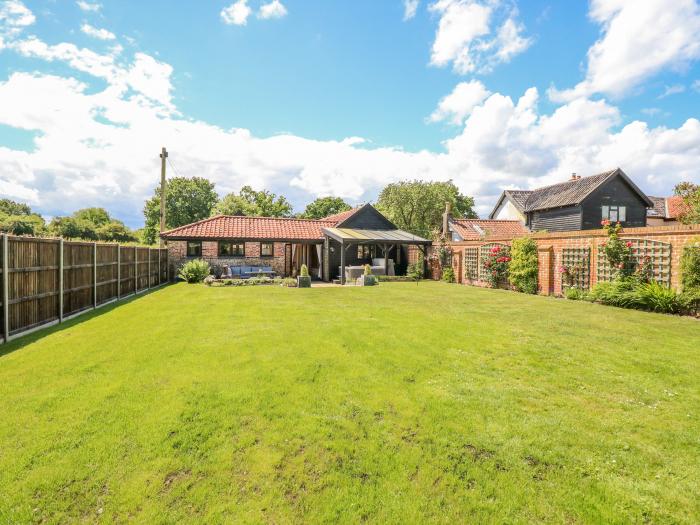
(78, 269)
(106, 273)
(32, 282)
(127, 270)
(35, 292)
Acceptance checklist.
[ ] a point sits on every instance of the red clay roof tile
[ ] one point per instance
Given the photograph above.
(242, 227)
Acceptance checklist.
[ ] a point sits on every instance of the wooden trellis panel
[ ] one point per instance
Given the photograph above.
(659, 254)
(572, 257)
(483, 252)
(471, 264)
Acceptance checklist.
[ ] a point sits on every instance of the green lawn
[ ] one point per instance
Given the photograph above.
(399, 403)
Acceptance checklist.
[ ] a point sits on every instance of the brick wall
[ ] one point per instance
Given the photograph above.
(551, 246)
(177, 253)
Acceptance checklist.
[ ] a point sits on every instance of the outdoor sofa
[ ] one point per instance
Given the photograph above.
(246, 272)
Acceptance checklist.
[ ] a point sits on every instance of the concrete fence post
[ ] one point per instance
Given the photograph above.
(60, 281)
(148, 284)
(119, 272)
(5, 289)
(136, 270)
(94, 275)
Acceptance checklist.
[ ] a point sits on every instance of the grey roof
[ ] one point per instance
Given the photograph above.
(569, 193)
(362, 236)
(659, 209)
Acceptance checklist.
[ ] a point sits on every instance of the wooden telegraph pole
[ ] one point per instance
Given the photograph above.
(163, 156)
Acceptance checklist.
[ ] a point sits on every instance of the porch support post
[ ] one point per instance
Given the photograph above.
(342, 262)
(385, 247)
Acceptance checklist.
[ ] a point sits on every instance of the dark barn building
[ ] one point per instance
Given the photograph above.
(580, 203)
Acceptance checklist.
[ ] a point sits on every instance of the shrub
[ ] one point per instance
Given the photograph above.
(574, 294)
(523, 268)
(304, 272)
(415, 271)
(288, 282)
(657, 298)
(690, 265)
(496, 262)
(194, 271)
(448, 275)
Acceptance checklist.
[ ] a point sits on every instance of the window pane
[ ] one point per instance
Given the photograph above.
(194, 248)
(266, 249)
(238, 249)
(622, 214)
(606, 212)
(224, 248)
(613, 214)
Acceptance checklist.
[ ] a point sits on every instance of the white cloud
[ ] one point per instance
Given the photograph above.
(237, 13)
(639, 39)
(100, 34)
(461, 37)
(99, 146)
(696, 85)
(409, 8)
(14, 17)
(88, 6)
(456, 106)
(651, 111)
(273, 9)
(672, 90)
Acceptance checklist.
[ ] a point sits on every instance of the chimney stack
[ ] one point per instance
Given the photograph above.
(574, 176)
(446, 217)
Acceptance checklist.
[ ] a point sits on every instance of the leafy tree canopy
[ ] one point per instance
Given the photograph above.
(691, 197)
(94, 224)
(254, 203)
(325, 206)
(417, 206)
(17, 218)
(96, 216)
(10, 207)
(189, 199)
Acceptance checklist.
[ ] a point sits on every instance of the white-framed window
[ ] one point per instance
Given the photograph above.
(615, 213)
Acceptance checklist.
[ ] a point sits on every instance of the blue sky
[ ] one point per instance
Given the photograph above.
(311, 98)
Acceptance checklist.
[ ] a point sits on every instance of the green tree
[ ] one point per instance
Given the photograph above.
(26, 224)
(71, 228)
(188, 200)
(10, 207)
(690, 193)
(523, 265)
(254, 203)
(96, 216)
(115, 231)
(417, 206)
(17, 218)
(325, 206)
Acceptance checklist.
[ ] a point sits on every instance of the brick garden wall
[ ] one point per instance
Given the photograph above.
(177, 253)
(551, 248)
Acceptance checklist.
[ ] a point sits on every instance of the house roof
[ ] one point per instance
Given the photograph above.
(669, 208)
(475, 229)
(242, 227)
(569, 193)
(340, 217)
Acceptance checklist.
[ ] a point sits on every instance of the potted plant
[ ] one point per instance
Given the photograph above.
(304, 280)
(368, 279)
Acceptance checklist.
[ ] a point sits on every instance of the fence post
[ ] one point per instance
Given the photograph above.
(136, 270)
(94, 275)
(149, 269)
(160, 270)
(5, 289)
(119, 272)
(60, 281)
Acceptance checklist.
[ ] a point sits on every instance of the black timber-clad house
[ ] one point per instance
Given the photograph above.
(580, 203)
